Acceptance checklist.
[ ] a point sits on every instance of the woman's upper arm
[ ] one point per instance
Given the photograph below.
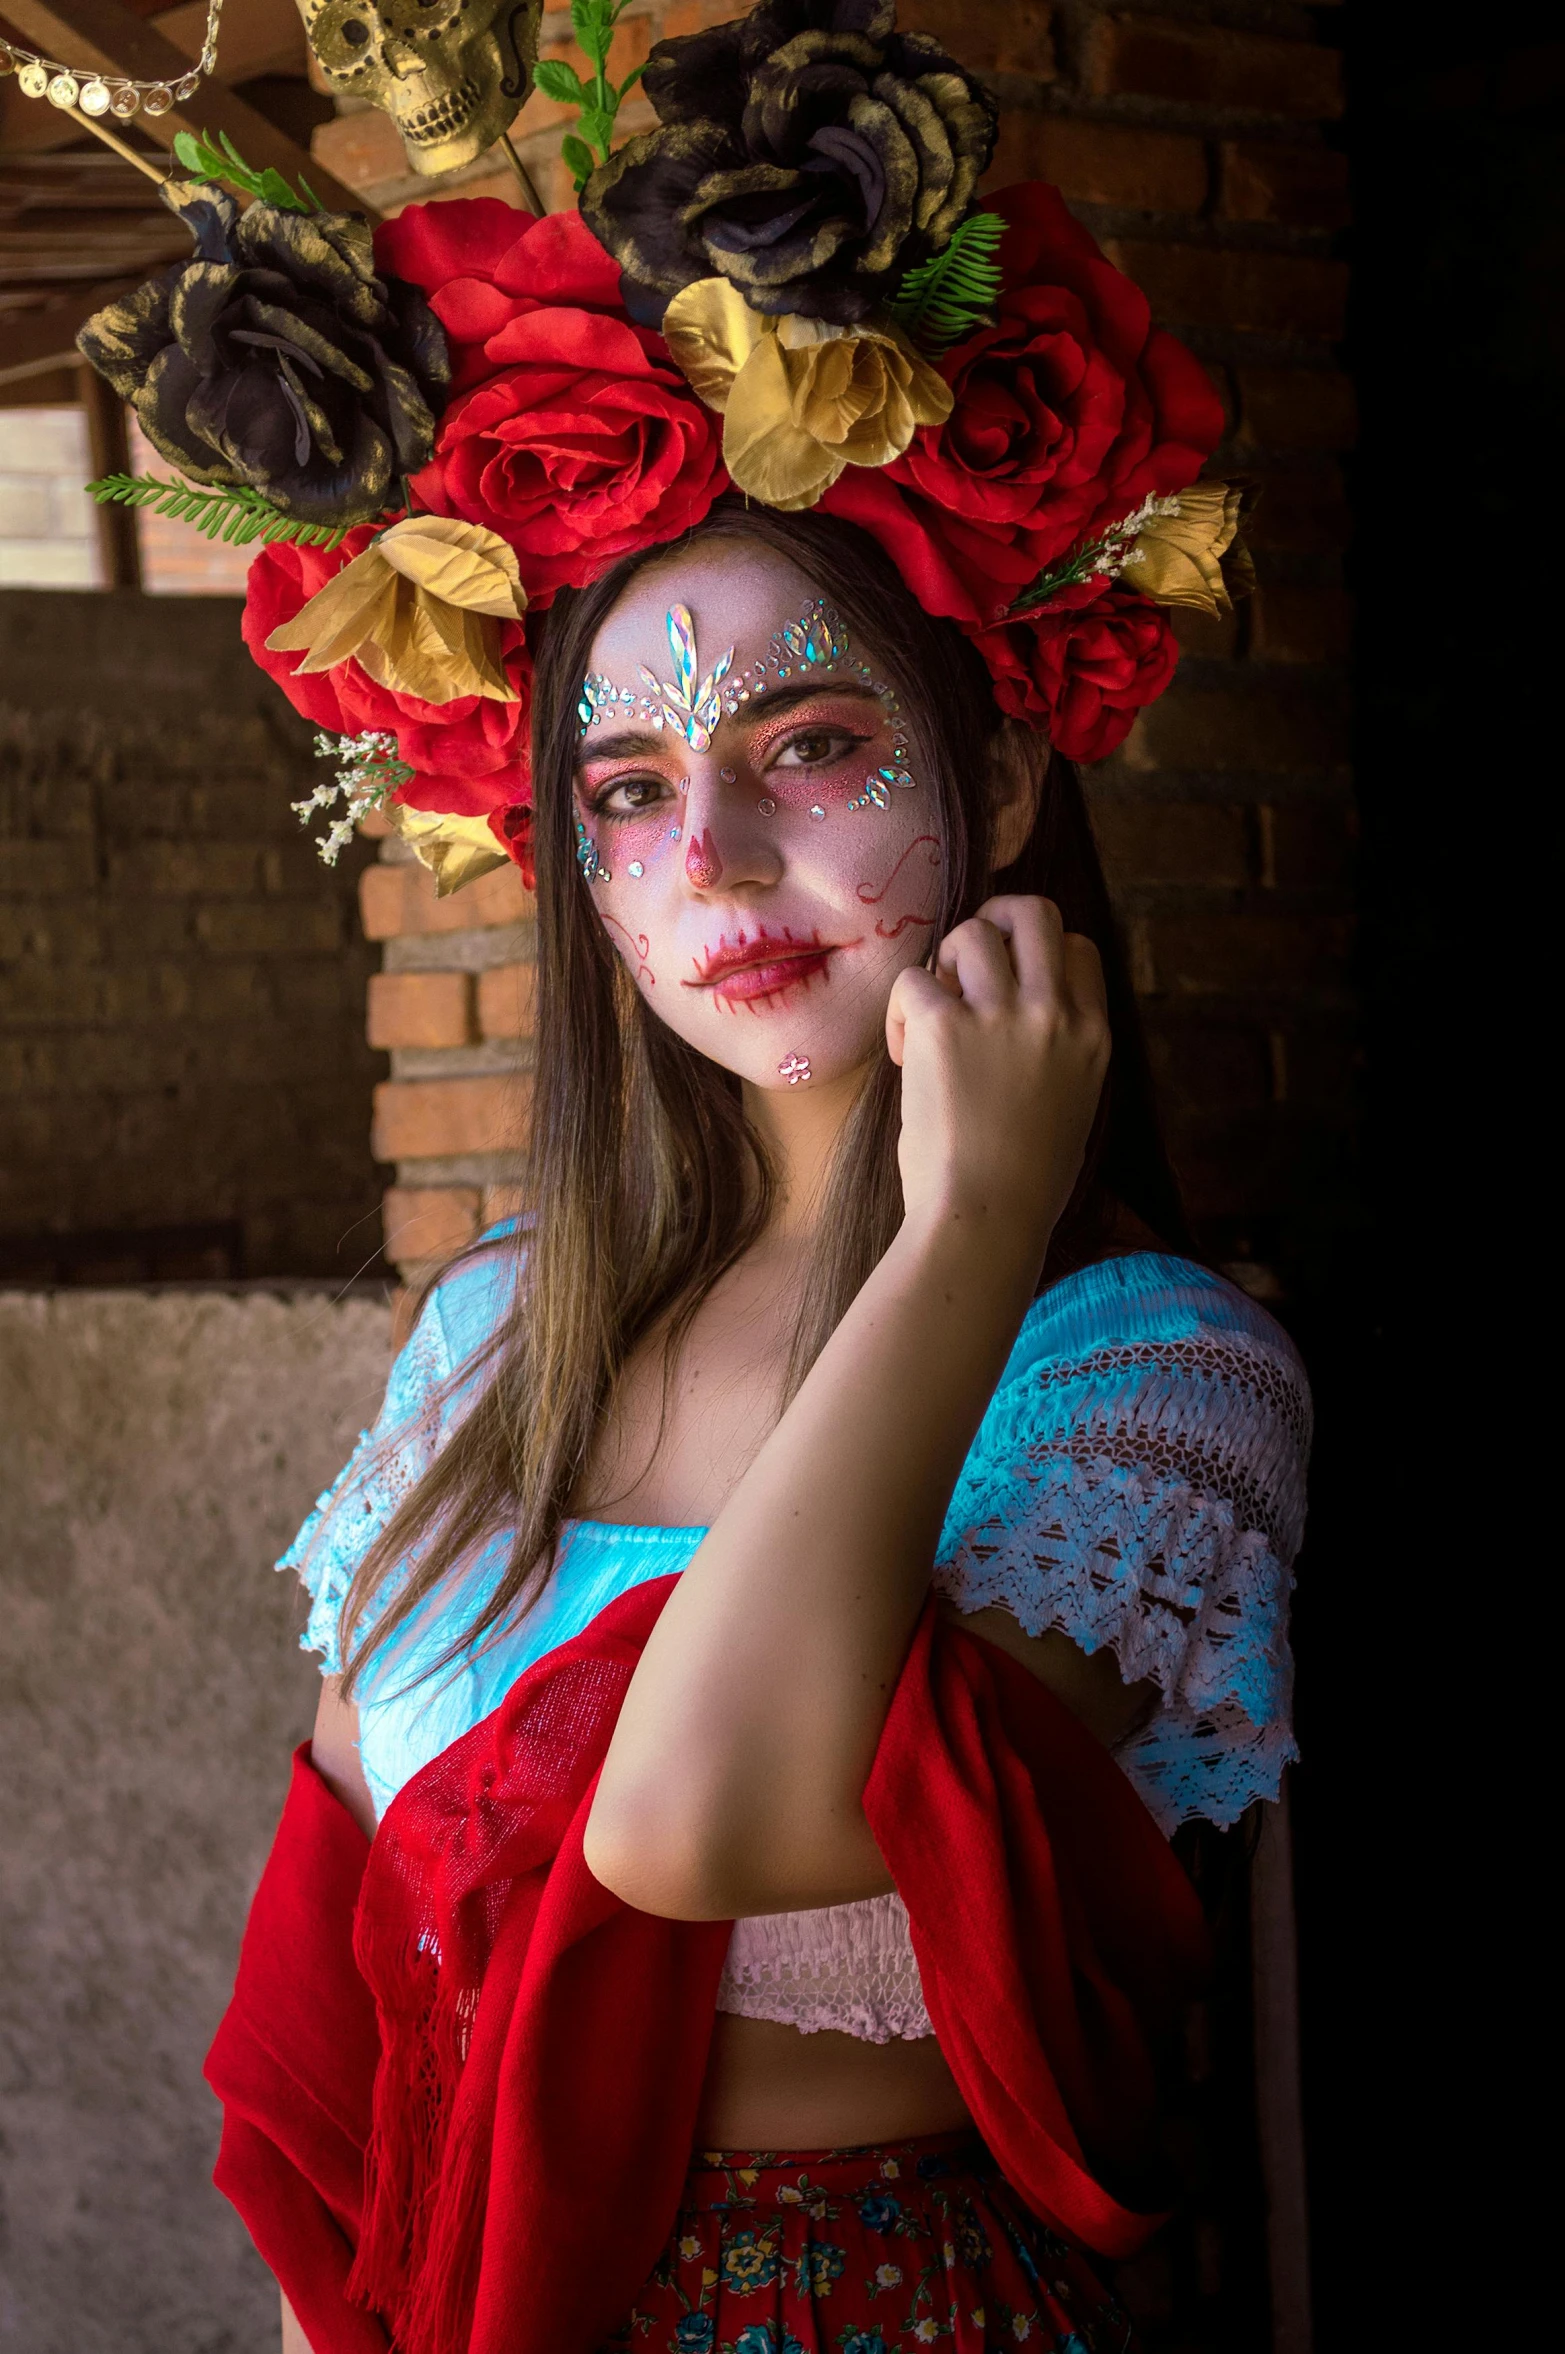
(1091, 1687)
(334, 1749)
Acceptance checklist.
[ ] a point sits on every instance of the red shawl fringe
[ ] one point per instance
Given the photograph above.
(524, 2103)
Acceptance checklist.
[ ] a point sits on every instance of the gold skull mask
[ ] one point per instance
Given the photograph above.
(452, 74)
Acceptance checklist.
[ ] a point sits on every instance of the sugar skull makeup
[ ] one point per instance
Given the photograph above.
(750, 821)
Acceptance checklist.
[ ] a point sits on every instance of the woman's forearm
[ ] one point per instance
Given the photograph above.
(733, 1782)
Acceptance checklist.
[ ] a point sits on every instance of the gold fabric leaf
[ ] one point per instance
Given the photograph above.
(1180, 558)
(800, 398)
(456, 850)
(711, 331)
(419, 610)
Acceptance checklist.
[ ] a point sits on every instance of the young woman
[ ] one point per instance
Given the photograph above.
(807, 1565)
(851, 1277)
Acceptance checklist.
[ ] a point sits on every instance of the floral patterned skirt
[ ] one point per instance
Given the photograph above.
(865, 2251)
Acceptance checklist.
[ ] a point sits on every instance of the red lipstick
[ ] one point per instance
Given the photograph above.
(744, 970)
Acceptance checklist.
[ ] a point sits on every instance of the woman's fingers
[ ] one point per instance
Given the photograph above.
(977, 956)
(913, 992)
(1084, 974)
(1034, 933)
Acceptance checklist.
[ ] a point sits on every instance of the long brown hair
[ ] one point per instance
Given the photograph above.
(647, 1180)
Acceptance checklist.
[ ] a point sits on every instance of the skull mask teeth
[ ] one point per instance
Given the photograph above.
(452, 74)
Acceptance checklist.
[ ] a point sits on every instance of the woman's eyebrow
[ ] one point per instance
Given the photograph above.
(632, 746)
(770, 699)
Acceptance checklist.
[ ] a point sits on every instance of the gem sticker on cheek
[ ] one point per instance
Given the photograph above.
(592, 870)
(795, 1068)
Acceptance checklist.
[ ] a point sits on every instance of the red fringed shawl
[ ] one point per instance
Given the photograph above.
(461, 2079)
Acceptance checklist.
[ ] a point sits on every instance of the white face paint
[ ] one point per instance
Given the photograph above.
(753, 831)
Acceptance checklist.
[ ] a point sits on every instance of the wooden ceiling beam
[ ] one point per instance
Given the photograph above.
(34, 342)
(104, 36)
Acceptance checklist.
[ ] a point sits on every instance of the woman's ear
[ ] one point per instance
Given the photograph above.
(1019, 762)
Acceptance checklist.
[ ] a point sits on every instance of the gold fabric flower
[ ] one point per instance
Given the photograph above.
(420, 610)
(800, 398)
(1191, 555)
(456, 850)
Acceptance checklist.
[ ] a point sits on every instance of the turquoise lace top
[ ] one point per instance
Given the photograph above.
(1137, 1481)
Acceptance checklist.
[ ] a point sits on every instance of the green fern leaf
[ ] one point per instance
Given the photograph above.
(944, 298)
(235, 514)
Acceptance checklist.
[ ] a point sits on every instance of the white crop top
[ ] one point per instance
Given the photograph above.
(1138, 1480)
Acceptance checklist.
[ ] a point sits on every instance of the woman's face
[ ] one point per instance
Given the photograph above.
(751, 822)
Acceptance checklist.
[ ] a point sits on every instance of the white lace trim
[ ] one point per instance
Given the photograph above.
(848, 1967)
(1151, 1497)
(379, 1475)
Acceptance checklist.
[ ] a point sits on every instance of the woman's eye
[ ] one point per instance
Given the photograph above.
(813, 745)
(630, 796)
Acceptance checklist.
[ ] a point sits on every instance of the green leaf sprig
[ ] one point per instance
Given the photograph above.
(224, 162)
(598, 101)
(944, 299)
(237, 514)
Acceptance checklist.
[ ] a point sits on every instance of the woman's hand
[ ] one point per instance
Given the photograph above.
(1003, 1050)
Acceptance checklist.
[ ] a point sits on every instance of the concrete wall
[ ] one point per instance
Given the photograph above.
(160, 1448)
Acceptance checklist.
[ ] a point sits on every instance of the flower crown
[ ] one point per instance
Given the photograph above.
(789, 289)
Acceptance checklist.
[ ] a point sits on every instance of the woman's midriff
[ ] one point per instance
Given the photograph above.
(770, 2088)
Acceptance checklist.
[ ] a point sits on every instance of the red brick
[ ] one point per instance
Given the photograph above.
(361, 148)
(1307, 846)
(1173, 842)
(428, 1221)
(1202, 286)
(1151, 171)
(419, 1009)
(503, 1201)
(428, 1119)
(1214, 637)
(1305, 511)
(692, 16)
(1289, 623)
(1297, 187)
(506, 996)
(395, 900)
(1297, 408)
(1200, 728)
(1210, 1063)
(47, 870)
(1242, 955)
(1012, 38)
(282, 928)
(1210, 65)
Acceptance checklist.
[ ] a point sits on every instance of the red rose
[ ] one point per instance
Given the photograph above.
(574, 434)
(1083, 674)
(482, 264)
(470, 756)
(1069, 409)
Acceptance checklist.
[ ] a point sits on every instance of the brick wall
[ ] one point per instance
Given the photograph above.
(1196, 143)
(184, 1082)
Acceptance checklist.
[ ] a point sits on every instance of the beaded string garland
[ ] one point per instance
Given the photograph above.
(81, 87)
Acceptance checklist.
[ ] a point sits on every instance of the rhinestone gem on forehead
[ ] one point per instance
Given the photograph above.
(687, 703)
(816, 645)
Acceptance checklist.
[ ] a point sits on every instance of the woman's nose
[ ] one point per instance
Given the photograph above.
(727, 842)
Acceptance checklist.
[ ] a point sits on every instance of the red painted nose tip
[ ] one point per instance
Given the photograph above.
(702, 863)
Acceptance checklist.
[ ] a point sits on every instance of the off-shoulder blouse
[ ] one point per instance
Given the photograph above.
(1137, 1481)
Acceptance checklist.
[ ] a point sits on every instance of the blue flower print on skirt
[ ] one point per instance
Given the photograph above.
(871, 2251)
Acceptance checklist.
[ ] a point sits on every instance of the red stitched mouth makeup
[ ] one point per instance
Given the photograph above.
(757, 966)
